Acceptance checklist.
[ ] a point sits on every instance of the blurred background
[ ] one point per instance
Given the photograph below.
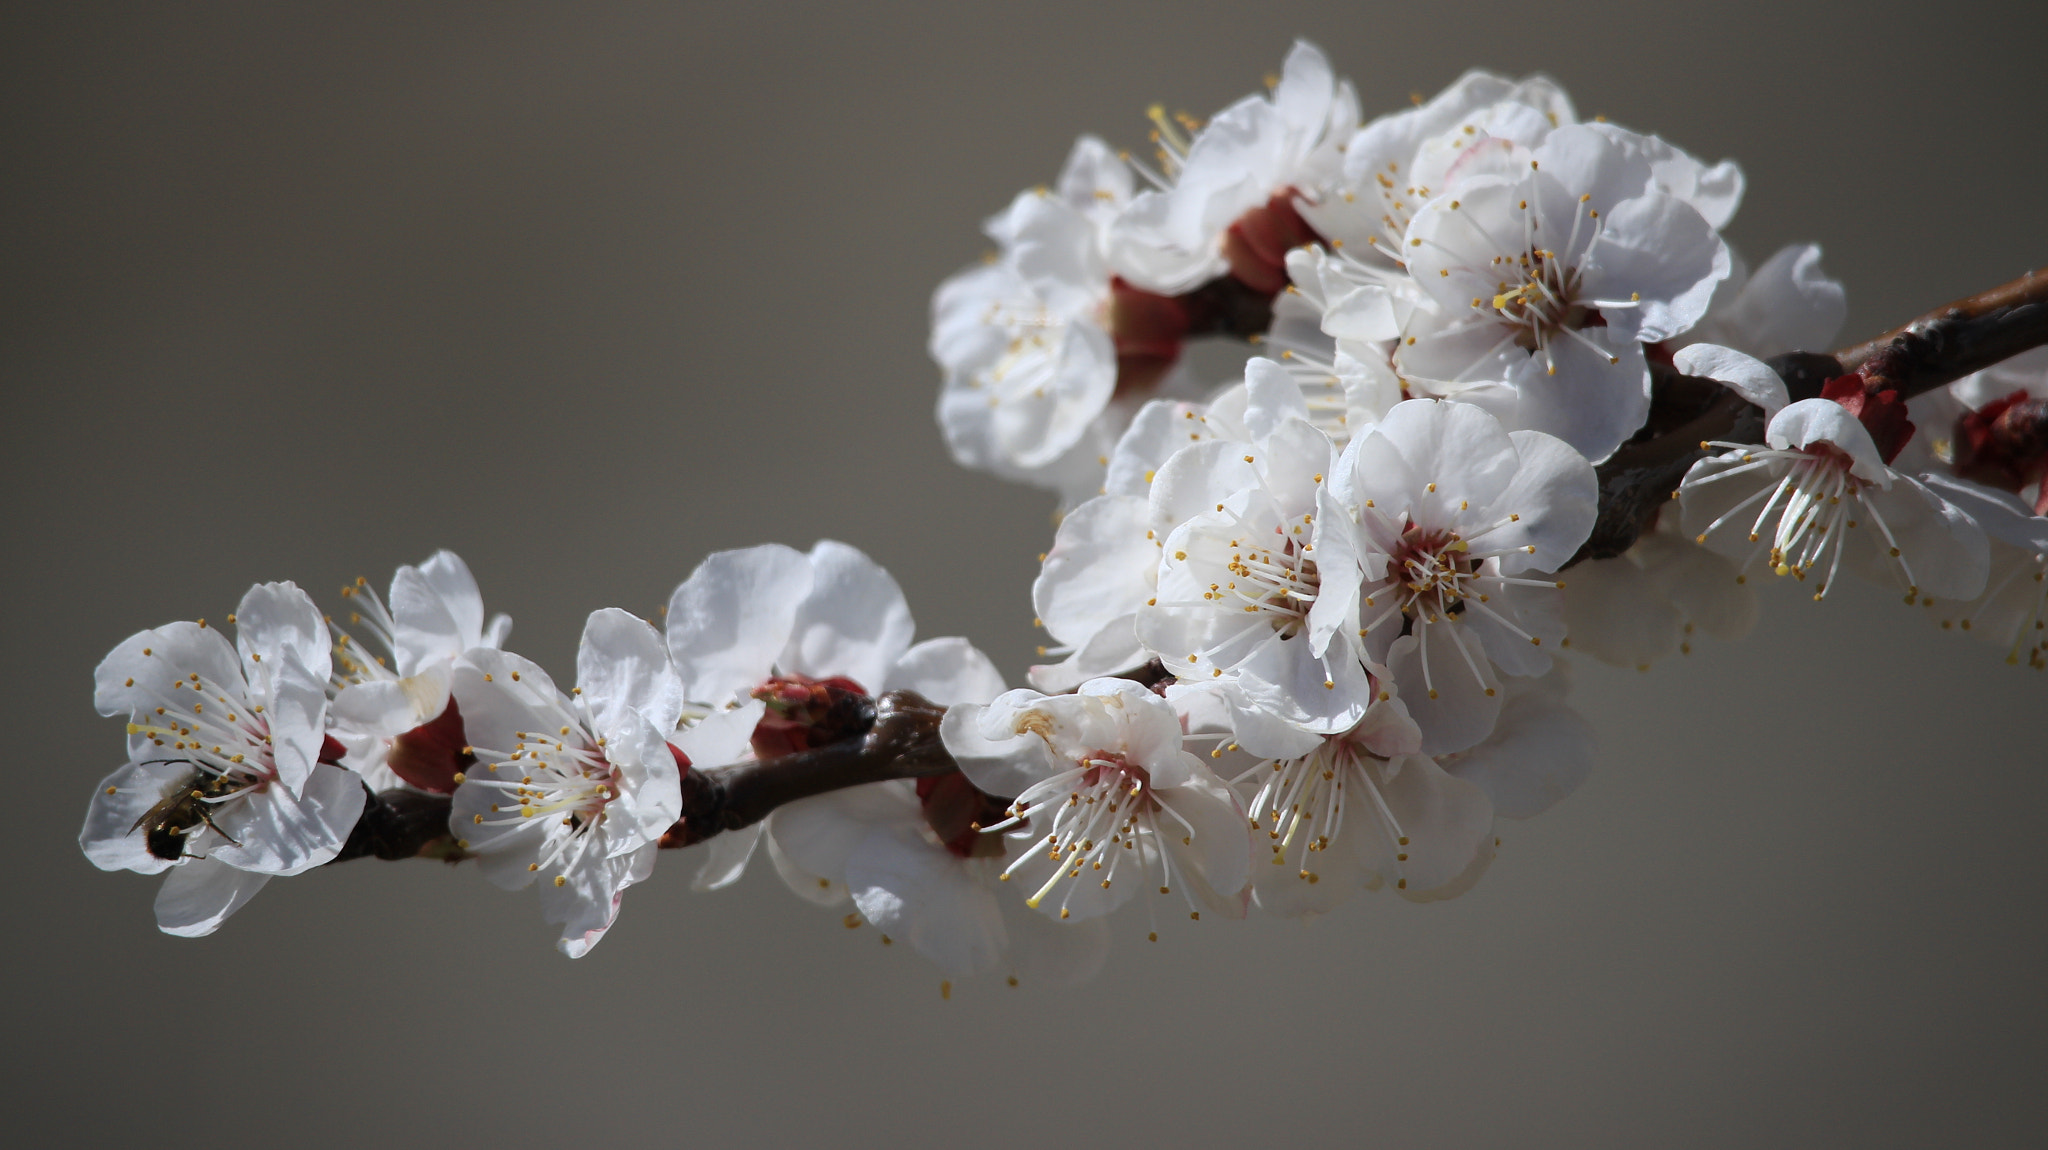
(586, 292)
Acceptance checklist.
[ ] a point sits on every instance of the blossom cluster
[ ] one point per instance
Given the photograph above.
(1307, 624)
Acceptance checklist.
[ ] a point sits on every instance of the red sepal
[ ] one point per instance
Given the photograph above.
(1882, 413)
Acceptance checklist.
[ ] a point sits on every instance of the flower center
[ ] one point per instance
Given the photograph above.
(1105, 821)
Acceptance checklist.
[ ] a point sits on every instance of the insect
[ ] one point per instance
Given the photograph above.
(183, 810)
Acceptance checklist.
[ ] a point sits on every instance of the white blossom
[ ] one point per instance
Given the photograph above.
(1174, 236)
(1818, 491)
(1451, 525)
(1104, 792)
(436, 615)
(1547, 269)
(572, 791)
(231, 777)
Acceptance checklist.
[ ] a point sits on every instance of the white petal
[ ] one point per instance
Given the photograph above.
(622, 665)
(1746, 377)
(855, 622)
(112, 837)
(920, 892)
(946, 671)
(732, 617)
(1465, 706)
(200, 895)
(278, 833)
(1539, 754)
(726, 859)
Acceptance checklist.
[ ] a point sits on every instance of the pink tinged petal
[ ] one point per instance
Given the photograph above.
(1446, 820)
(1538, 755)
(1556, 495)
(1614, 612)
(587, 902)
(732, 617)
(993, 745)
(200, 895)
(855, 622)
(1811, 422)
(1466, 704)
(1747, 377)
(913, 890)
(111, 837)
(726, 859)
(175, 651)
(277, 833)
(946, 671)
(1101, 566)
(622, 666)
(1659, 248)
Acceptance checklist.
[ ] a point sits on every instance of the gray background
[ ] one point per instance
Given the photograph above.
(587, 293)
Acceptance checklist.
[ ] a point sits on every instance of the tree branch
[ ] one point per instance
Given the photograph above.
(903, 744)
(1932, 351)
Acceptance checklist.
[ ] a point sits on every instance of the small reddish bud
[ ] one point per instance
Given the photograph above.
(1257, 243)
(1882, 413)
(430, 755)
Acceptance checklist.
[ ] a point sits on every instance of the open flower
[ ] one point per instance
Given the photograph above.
(1548, 269)
(1819, 491)
(1104, 792)
(231, 778)
(2012, 610)
(572, 791)
(390, 710)
(1454, 524)
(1225, 201)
